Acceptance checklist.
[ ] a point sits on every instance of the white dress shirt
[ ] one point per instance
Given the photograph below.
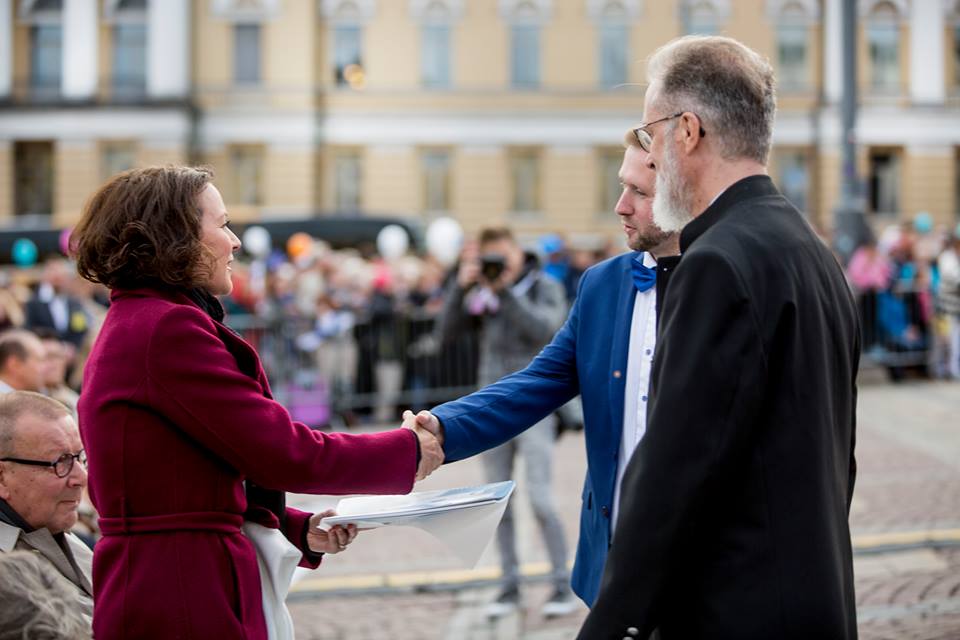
(643, 338)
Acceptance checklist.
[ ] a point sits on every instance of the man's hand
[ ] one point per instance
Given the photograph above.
(428, 421)
(431, 452)
(333, 541)
(469, 272)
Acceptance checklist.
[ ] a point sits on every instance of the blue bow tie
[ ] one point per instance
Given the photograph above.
(643, 277)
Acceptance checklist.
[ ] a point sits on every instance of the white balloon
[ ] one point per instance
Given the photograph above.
(444, 240)
(392, 242)
(256, 240)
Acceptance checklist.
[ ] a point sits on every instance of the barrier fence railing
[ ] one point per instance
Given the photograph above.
(897, 326)
(344, 370)
(347, 370)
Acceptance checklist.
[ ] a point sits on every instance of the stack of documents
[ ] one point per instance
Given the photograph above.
(464, 519)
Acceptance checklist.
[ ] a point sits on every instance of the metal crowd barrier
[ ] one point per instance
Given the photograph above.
(897, 327)
(369, 370)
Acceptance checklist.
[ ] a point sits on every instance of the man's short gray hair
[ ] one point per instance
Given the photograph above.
(15, 404)
(728, 85)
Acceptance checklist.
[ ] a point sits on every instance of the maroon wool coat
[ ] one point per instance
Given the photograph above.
(176, 415)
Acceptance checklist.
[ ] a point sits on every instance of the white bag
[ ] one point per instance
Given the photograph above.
(276, 558)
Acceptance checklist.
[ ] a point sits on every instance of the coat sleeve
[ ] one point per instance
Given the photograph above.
(450, 320)
(536, 319)
(194, 381)
(707, 383)
(501, 411)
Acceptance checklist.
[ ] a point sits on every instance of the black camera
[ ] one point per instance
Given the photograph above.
(492, 266)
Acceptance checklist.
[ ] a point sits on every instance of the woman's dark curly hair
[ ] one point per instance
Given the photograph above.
(143, 227)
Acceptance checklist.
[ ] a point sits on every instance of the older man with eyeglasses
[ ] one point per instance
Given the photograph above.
(42, 476)
(733, 513)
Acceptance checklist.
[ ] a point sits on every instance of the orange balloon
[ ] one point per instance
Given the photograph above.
(299, 245)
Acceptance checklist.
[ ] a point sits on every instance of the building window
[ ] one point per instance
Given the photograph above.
(525, 182)
(347, 56)
(883, 183)
(613, 54)
(525, 56)
(117, 157)
(436, 181)
(884, 41)
(435, 56)
(792, 57)
(793, 177)
(246, 169)
(347, 181)
(246, 53)
(33, 178)
(46, 42)
(608, 174)
(129, 60)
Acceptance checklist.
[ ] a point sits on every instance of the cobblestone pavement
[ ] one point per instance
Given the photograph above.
(908, 491)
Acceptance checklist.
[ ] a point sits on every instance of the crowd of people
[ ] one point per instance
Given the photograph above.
(907, 284)
(347, 335)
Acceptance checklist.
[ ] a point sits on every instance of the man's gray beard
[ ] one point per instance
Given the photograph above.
(672, 206)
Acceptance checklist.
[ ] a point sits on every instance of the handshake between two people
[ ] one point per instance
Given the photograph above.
(430, 434)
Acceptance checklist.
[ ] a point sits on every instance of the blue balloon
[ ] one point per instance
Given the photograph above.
(24, 252)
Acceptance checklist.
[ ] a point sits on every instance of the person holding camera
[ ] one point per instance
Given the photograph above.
(520, 308)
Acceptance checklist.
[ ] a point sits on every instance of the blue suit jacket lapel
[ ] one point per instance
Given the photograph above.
(619, 349)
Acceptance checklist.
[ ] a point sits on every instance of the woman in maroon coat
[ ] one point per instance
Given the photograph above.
(183, 439)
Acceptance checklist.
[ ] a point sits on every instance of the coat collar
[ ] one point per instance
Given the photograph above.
(246, 356)
(170, 295)
(74, 563)
(9, 535)
(744, 189)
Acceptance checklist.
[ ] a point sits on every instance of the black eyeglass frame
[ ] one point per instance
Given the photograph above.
(646, 141)
(68, 459)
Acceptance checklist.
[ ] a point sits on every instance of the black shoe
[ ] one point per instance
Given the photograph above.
(506, 603)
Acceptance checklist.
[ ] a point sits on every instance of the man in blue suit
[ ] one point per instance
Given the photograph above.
(603, 352)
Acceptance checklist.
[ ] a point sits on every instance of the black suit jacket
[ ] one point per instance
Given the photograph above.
(734, 507)
(39, 315)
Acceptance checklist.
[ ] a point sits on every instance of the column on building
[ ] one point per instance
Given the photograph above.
(833, 50)
(6, 180)
(168, 49)
(926, 53)
(6, 50)
(79, 81)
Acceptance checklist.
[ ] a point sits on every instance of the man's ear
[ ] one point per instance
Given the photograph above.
(690, 128)
(4, 490)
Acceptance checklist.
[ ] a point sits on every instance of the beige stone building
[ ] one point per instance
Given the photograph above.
(491, 111)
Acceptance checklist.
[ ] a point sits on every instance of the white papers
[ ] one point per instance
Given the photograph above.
(464, 519)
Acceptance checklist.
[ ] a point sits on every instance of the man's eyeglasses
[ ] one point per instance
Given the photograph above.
(645, 138)
(62, 466)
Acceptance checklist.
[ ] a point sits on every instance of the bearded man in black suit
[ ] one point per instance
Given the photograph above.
(734, 507)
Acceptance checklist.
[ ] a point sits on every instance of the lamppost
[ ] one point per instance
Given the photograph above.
(850, 227)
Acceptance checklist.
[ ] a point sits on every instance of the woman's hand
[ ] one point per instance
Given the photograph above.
(333, 541)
